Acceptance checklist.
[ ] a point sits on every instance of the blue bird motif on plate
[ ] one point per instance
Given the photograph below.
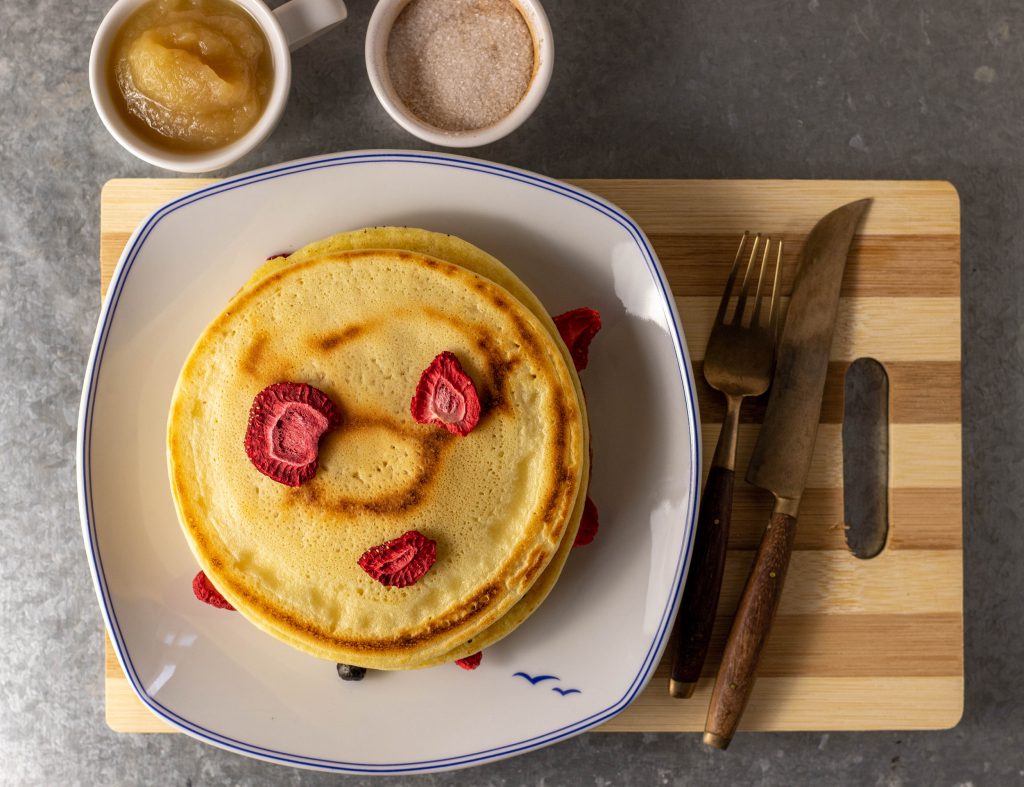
(535, 679)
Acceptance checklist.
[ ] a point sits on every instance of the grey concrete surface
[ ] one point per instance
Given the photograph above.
(791, 88)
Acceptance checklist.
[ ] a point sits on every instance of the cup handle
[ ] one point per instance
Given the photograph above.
(304, 20)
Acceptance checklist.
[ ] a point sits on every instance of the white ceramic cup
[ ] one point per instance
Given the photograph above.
(377, 34)
(287, 28)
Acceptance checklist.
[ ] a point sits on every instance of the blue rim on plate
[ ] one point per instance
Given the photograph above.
(85, 496)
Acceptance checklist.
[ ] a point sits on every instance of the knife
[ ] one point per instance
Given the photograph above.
(782, 456)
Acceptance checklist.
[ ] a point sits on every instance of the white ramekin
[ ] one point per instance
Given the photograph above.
(381, 22)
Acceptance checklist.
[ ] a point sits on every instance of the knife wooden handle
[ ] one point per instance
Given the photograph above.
(749, 631)
(697, 609)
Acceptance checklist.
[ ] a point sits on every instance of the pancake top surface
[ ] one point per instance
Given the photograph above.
(454, 249)
(362, 326)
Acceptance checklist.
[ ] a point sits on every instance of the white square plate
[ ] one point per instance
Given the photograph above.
(592, 646)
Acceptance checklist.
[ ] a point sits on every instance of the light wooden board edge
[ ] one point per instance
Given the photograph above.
(684, 206)
(931, 702)
(840, 704)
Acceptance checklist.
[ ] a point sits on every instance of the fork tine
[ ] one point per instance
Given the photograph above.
(775, 308)
(745, 289)
(731, 280)
(760, 282)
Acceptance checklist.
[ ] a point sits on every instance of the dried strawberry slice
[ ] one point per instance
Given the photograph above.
(445, 396)
(286, 422)
(204, 590)
(588, 524)
(577, 329)
(471, 662)
(402, 561)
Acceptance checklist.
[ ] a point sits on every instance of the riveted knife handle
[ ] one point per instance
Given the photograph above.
(749, 631)
(697, 609)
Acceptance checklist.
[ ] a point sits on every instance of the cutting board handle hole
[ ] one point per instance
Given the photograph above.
(866, 457)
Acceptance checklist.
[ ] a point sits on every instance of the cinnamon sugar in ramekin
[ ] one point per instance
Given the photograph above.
(460, 65)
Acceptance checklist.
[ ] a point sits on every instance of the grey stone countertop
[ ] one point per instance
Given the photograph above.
(790, 89)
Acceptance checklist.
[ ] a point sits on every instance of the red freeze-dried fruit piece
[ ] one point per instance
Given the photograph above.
(445, 396)
(577, 329)
(470, 662)
(204, 590)
(588, 524)
(402, 561)
(286, 422)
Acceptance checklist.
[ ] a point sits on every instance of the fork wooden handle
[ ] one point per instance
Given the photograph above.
(697, 609)
(749, 631)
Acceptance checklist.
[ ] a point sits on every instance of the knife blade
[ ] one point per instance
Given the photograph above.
(782, 455)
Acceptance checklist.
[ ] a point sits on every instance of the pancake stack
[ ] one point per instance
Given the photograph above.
(359, 317)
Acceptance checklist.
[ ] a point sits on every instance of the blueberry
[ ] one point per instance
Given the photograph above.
(350, 672)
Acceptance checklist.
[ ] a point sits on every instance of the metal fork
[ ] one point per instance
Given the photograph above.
(739, 362)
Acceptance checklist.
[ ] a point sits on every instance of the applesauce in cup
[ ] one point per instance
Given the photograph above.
(191, 74)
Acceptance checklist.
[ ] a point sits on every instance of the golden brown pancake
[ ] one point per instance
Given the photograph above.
(460, 252)
(362, 326)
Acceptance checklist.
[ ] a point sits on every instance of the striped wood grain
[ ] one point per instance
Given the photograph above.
(858, 644)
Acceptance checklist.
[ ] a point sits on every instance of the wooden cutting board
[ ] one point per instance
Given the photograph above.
(858, 644)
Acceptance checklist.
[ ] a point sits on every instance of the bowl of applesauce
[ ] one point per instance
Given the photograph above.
(194, 85)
